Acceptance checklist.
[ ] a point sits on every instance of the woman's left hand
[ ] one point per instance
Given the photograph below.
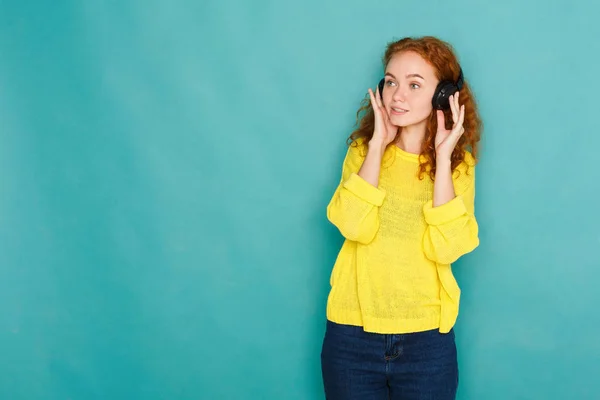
(446, 140)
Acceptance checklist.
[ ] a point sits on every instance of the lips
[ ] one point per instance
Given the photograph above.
(398, 111)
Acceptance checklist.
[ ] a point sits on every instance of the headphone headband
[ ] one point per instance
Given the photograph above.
(461, 80)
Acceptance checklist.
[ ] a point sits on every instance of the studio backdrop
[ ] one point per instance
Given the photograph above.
(165, 168)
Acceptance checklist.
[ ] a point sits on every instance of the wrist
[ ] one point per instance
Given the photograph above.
(376, 146)
(443, 162)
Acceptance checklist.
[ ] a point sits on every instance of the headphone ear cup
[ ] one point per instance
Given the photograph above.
(381, 82)
(441, 96)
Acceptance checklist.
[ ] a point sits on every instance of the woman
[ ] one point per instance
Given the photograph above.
(405, 205)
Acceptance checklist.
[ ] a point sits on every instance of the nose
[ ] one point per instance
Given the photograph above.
(399, 94)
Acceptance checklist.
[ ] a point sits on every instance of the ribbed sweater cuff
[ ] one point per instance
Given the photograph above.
(364, 190)
(446, 212)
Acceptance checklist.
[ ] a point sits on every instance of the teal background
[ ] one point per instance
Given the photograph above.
(165, 168)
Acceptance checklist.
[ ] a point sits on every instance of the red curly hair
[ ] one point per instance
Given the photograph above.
(441, 56)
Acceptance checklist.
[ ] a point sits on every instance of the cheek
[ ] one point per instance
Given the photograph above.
(427, 100)
(387, 97)
(423, 104)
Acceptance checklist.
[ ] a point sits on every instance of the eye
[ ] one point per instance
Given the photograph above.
(390, 83)
(412, 86)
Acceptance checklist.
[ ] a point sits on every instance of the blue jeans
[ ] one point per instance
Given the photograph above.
(371, 366)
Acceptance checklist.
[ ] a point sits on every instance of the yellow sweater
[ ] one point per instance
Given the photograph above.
(393, 273)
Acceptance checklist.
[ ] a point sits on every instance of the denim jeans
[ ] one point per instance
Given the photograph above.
(371, 366)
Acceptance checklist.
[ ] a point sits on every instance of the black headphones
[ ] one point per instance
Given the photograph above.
(443, 91)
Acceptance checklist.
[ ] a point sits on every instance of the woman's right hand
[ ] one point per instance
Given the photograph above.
(384, 132)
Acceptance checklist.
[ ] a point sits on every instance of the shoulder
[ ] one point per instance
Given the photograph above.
(464, 174)
(357, 150)
(468, 163)
(359, 145)
(469, 159)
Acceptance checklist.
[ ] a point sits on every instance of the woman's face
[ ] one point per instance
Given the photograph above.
(408, 89)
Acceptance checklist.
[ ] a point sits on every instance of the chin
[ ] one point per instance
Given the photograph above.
(405, 120)
(401, 121)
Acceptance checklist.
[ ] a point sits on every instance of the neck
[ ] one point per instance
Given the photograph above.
(411, 138)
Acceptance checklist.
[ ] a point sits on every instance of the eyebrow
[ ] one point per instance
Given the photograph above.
(408, 76)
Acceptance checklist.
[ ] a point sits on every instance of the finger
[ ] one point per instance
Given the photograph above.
(378, 97)
(461, 118)
(458, 102)
(459, 128)
(454, 110)
(373, 101)
(388, 123)
(441, 121)
(386, 117)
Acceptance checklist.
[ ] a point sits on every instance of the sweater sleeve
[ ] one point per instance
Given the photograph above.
(354, 207)
(451, 229)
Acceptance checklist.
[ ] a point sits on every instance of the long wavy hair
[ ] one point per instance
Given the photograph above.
(441, 56)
